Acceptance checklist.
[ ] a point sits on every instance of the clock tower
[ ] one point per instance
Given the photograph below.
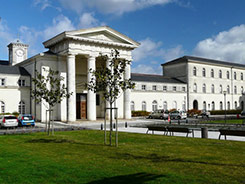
(17, 52)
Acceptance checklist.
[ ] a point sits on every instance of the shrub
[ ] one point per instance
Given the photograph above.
(6, 113)
(140, 113)
(16, 113)
(193, 112)
(222, 112)
(172, 110)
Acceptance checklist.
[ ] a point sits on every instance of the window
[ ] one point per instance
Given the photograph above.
(213, 106)
(195, 71)
(228, 105)
(2, 82)
(204, 88)
(204, 72)
(21, 82)
(204, 105)
(132, 105)
(164, 88)
(234, 75)
(2, 107)
(154, 105)
(212, 88)
(195, 87)
(174, 105)
(221, 106)
(235, 104)
(97, 99)
(241, 89)
(174, 88)
(165, 105)
(235, 89)
(154, 87)
(143, 87)
(228, 75)
(228, 89)
(241, 76)
(22, 107)
(183, 106)
(220, 74)
(143, 106)
(220, 89)
(212, 73)
(183, 89)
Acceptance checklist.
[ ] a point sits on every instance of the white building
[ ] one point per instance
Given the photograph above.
(186, 83)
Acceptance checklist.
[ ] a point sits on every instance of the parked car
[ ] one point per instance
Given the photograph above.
(159, 114)
(26, 119)
(178, 115)
(203, 114)
(8, 121)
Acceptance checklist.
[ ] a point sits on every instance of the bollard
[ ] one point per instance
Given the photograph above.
(126, 125)
(204, 131)
(101, 126)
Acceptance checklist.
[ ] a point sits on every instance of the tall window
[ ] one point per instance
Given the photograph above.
(235, 89)
(183, 89)
(132, 106)
(174, 105)
(228, 105)
(241, 89)
(212, 73)
(241, 76)
(22, 107)
(221, 105)
(220, 89)
(213, 106)
(204, 72)
(165, 105)
(220, 74)
(228, 75)
(204, 88)
(195, 71)
(2, 107)
(183, 106)
(143, 106)
(2, 82)
(174, 88)
(234, 75)
(228, 89)
(154, 105)
(212, 88)
(154, 87)
(164, 88)
(204, 105)
(143, 87)
(235, 104)
(195, 87)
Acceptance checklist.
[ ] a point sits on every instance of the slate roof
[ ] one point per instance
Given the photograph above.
(154, 78)
(205, 60)
(4, 62)
(13, 70)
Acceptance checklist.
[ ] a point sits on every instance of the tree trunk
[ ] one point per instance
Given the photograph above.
(110, 123)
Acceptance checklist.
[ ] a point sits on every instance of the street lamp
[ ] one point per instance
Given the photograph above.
(224, 92)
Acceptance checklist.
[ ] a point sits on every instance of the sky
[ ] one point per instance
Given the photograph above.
(166, 29)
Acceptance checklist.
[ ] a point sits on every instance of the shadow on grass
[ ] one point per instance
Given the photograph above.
(156, 158)
(138, 178)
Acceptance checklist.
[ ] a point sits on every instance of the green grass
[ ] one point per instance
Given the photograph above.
(81, 157)
(231, 121)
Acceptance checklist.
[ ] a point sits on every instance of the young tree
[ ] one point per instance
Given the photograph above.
(50, 89)
(109, 79)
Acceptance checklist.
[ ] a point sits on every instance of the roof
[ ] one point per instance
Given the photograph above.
(205, 60)
(4, 62)
(16, 70)
(154, 78)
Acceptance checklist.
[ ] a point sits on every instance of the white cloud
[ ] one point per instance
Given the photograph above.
(43, 4)
(227, 45)
(117, 7)
(149, 48)
(87, 20)
(147, 69)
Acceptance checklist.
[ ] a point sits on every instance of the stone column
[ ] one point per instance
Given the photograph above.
(91, 96)
(127, 95)
(71, 88)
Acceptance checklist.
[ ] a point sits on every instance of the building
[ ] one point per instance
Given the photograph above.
(187, 82)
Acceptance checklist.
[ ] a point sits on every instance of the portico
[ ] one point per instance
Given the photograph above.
(80, 52)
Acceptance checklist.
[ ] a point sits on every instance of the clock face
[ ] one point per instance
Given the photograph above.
(19, 52)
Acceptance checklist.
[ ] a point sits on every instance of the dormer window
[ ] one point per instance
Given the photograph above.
(143, 87)
(2, 82)
(154, 87)
(21, 82)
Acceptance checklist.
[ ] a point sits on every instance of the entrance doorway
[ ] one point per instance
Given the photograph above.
(195, 104)
(81, 106)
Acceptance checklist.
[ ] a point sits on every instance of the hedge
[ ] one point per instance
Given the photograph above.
(140, 113)
(222, 112)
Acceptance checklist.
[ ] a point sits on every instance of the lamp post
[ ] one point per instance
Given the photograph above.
(224, 92)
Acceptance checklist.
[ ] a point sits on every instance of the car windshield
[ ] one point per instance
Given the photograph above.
(10, 117)
(27, 117)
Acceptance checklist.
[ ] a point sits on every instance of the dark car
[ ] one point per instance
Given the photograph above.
(26, 119)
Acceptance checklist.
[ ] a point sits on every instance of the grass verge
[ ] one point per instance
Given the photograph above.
(81, 157)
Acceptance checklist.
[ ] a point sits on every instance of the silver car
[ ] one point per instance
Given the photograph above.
(8, 121)
(159, 114)
(178, 115)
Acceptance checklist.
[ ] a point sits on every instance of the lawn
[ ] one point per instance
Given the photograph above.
(81, 157)
(230, 121)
